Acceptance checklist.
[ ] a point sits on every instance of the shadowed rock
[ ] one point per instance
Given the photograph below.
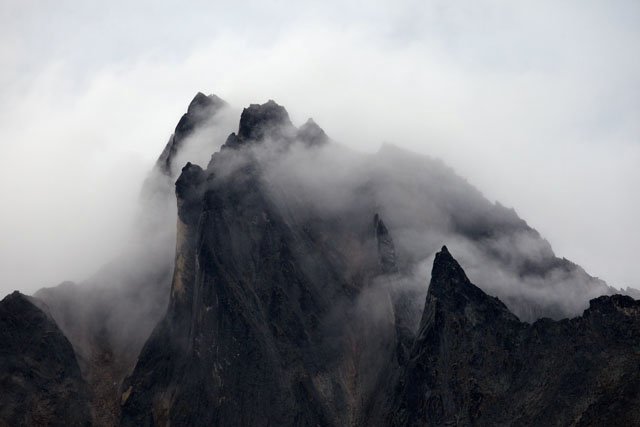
(475, 363)
(268, 120)
(40, 381)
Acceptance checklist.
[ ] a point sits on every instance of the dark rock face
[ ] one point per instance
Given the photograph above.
(40, 381)
(474, 363)
(268, 120)
(262, 122)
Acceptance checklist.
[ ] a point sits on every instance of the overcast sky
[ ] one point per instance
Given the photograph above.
(536, 103)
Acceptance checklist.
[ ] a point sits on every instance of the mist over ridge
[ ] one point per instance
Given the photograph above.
(300, 269)
(396, 213)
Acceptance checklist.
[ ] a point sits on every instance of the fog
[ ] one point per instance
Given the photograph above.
(425, 205)
(536, 106)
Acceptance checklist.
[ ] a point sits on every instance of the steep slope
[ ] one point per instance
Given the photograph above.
(40, 381)
(475, 363)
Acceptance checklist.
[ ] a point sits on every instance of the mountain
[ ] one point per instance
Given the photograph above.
(286, 284)
(40, 381)
(287, 311)
(474, 363)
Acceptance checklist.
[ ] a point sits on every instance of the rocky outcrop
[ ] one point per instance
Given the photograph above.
(40, 381)
(475, 363)
(267, 121)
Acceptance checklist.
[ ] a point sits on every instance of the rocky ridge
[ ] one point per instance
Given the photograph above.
(474, 363)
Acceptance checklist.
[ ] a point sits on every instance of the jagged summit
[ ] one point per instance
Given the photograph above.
(451, 290)
(260, 121)
(447, 275)
(271, 121)
(201, 109)
(201, 103)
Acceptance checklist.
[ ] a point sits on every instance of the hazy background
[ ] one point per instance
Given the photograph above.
(535, 103)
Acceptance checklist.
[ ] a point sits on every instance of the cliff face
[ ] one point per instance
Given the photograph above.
(40, 381)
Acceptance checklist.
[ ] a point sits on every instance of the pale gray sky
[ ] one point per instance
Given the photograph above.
(535, 103)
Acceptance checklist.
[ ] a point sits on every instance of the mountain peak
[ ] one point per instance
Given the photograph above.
(201, 102)
(452, 288)
(312, 134)
(201, 109)
(447, 275)
(15, 299)
(259, 121)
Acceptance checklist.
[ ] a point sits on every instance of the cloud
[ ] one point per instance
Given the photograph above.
(533, 104)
